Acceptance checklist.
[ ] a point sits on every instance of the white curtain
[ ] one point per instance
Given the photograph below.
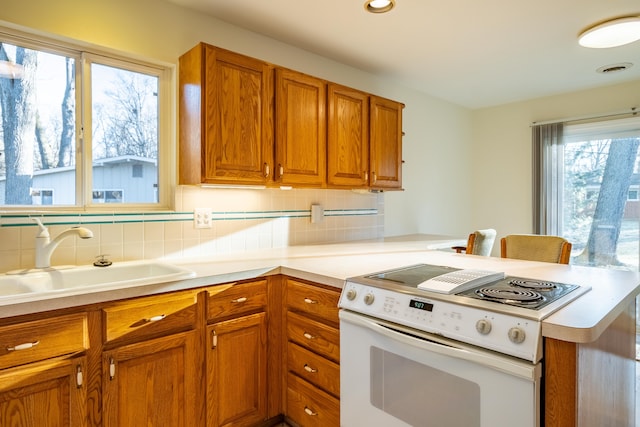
(548, 164)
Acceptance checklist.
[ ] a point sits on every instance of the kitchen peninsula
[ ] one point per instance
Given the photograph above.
(589, 343)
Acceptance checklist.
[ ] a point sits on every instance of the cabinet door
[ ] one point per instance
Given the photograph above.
(152, 383)
(237, 371)
(239, 145)
(48, 393)
(301, 141)
(226, 117)
(385, 143)
(347, 137)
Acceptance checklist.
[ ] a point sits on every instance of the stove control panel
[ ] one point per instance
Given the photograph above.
(500, 332)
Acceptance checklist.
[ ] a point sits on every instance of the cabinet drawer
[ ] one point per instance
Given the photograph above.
(313, 300)
(237, 299)
(309, 406)
(314, 368)
(152, 316)
(42, 339)
(313, 335)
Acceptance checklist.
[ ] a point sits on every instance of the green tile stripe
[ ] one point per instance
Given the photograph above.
(23, 220)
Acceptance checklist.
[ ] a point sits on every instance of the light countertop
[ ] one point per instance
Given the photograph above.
(582, 321)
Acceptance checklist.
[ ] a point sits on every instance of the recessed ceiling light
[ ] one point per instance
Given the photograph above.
(379, 6)
(612, 33)
(614, 67)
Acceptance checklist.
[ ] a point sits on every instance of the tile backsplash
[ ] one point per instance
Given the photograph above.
(243, 220)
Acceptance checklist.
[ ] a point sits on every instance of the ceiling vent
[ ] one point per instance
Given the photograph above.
(614, 68)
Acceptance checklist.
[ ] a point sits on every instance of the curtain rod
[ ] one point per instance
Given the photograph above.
(632, 111)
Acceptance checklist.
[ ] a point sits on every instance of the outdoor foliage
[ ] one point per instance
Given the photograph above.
(39, 116)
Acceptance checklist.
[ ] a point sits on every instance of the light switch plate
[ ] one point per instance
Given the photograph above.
(202, 218)
(317, 214)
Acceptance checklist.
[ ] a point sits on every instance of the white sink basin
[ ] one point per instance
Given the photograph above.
(115, 276)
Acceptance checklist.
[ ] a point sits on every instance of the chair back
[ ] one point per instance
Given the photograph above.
(480, 242)
(534, 247)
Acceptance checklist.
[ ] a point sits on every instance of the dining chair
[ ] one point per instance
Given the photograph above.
(480, 242)
(535, 247)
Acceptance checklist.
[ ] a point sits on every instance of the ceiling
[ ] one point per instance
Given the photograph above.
(471, 53)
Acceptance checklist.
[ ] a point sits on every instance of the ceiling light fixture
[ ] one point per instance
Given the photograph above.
(611, 33)
(379, 6)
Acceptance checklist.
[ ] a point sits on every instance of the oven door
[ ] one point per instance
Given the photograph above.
(391, 376)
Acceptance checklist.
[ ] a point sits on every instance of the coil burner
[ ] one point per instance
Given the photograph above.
(511, 295)
(521, 292)
(533, 284)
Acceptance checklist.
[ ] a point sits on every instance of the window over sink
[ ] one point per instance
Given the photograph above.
(78, 122)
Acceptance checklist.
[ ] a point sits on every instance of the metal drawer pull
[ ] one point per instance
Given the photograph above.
(310, 411)
(242, 299)
(309, 369)
(79, 378)
(266, 170)
(25, 346)
(156, 318)
(308, 336)
(310, 301)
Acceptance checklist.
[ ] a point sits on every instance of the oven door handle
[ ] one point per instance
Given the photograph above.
(445, 347)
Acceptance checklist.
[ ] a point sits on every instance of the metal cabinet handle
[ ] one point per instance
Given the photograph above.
(112, 369)
(310, 301)
(238, 300)
(266, 170)
(79, 378)
(310, 411)
(374, 176)
(155, 318)
(24, 346)
(281, 170)
(366, 175)
(214, 340)
(310, 369)
(308, 336)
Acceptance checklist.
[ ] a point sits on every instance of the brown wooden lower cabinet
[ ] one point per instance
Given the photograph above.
(47, 393)
(592, 384)
(309, 406)
(151, 383)
(237, 371)
(236, 354)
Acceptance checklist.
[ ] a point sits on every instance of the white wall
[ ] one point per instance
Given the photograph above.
(502, 165)
(438, 134)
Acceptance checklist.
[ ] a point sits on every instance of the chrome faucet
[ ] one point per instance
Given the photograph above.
(45, 246)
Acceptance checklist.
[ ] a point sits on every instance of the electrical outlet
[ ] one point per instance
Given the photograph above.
(202, 218)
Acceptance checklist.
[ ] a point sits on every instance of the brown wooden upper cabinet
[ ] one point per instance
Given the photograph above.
(385, 142)
(348, 138)
(245, 121)
(364, 140)
(226, 118)
(301, 129)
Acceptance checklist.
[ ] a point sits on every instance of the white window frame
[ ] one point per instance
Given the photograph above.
(85, 56)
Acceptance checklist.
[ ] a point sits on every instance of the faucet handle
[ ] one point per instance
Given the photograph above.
(44, 231)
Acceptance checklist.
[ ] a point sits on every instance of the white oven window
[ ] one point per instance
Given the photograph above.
(395, 379)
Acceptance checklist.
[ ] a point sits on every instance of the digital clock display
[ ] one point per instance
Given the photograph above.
(420, 305)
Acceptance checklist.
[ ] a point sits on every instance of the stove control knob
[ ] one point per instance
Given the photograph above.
(516, 335)
(351, 294)
(368, 299)
(483, 326)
